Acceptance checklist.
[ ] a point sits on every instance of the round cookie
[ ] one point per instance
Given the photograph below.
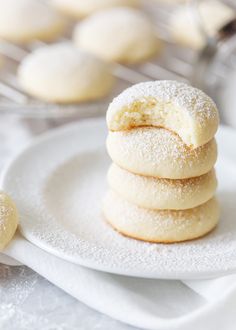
(120, 34)
(61, 73)
(157, 193)
(176, 106)
(8, 220)
(81, 8)
(24, 20)
(157, 152)
(185, 25)
(162, 226)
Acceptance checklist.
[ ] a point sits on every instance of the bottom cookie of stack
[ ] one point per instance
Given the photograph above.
(161, 226)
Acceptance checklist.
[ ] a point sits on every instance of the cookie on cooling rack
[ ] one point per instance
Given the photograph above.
(185, 24)
(81, 8)
(162, 226)
(61, 73)
(120, 34)
(22, 21)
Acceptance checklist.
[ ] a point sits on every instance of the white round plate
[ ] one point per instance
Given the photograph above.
(58, 184)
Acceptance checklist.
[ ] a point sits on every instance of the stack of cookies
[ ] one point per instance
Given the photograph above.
(162, 180)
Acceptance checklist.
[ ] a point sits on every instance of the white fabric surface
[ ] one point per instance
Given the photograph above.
(149, 304)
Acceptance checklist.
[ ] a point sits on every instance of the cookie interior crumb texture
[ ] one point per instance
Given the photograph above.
(183, 109)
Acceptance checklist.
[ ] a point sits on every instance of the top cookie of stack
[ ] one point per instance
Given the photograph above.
(175, 106)
(162, 182)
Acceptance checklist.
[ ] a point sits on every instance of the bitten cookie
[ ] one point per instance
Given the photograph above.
(157, 193)
(81, 8)
(8, 220)
(162, 226)
(157, 152)
(176, 106)
(61, 73)
(121, 34)
(24, 20)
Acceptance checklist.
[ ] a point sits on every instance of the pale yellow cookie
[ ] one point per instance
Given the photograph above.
(8, 219)
(120, 34)
(25, 20)
(157, 193)
(176, 106)
(186, 24)
(64, 74)
(81, 8)
(157, 152)
(162, 226)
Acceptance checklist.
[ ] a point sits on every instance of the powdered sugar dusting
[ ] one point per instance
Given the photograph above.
(159, 152)
(157, 144)
(60, 207)
(160, 221)
(199, 105)
(159, 193)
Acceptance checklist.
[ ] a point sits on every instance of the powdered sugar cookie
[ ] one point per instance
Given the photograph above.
(162, 226)
(158, 193)
(185, 110)
(25, 20)
(61, 73)
(120, 34)
(157, 152)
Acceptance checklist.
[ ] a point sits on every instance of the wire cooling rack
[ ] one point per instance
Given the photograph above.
(175, 62)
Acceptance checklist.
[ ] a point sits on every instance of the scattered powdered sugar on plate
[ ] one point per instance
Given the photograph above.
(60, 210)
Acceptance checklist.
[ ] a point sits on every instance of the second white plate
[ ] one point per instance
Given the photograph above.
(58, 184)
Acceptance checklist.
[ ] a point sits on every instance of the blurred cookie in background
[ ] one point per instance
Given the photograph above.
(82, 8)
(121, 34)
(188, 23)
(61, 73)
(170, 2)
(21, 21)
